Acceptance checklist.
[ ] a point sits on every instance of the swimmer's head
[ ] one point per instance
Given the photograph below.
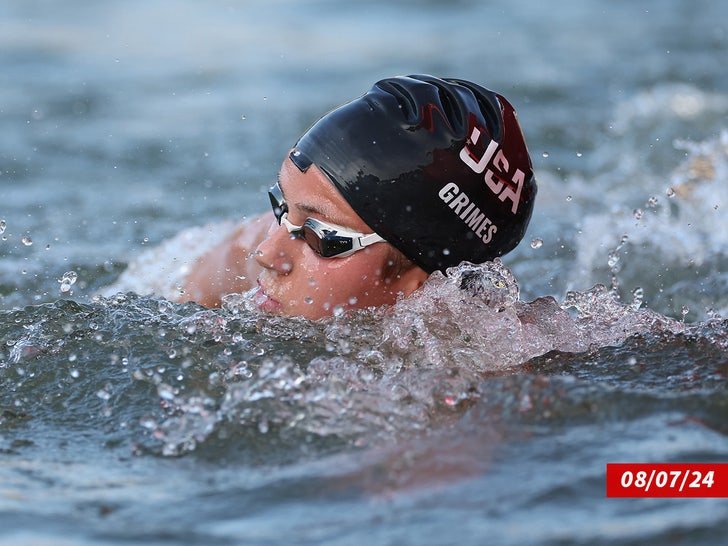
(437, 167)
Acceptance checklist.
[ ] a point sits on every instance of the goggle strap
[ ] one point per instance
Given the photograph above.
(366, 240)
(285, 222)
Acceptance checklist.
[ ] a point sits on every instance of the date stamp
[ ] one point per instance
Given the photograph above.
(667, 480)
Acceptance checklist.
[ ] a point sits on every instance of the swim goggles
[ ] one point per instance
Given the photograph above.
(327, 240)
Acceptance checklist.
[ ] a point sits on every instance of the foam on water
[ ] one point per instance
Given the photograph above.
(398, 369)
(677, 232)
(182, 376)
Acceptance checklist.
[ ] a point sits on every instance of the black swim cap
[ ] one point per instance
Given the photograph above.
(438, 167)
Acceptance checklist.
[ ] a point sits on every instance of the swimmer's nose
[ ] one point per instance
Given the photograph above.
(274, 252)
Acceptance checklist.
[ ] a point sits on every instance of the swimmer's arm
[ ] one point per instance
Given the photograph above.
(228, 267)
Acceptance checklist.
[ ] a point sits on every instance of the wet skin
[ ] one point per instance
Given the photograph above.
(292, 279)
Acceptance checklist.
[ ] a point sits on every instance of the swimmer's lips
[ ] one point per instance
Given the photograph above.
(265, 302)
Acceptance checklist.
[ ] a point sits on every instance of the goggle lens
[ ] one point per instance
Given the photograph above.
(324, 242)
(324, 239)
(277, 202)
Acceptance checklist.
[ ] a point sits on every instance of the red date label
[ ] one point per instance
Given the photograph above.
(667, 480)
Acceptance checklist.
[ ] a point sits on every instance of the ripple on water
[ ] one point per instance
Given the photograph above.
(170, 377)
(381, 372)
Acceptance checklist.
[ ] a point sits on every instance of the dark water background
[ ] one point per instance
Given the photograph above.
(130, 420)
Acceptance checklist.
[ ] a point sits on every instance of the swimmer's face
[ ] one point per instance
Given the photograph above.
(297, 281)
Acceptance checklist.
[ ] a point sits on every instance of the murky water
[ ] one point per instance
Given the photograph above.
(483, 410)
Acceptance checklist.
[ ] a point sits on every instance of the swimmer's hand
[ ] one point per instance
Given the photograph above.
(228, 267)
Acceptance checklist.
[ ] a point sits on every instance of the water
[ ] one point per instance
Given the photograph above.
(479, 415)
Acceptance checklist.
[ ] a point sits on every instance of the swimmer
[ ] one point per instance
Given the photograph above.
(415, 176)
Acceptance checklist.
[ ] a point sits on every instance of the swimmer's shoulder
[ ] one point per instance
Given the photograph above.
(162, 269)
(228, 267)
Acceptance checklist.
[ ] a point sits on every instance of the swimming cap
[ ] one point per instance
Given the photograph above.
(438, 167)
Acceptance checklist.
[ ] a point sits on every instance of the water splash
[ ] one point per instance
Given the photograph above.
(393, 370)
(668, 241)
(679, 100)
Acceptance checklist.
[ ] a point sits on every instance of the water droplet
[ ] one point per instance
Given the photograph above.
(568, 198)
(308, 300)
(526, 404)
(72, 357)
(536, 243)
(446, 251)
(165, 307)
(244, 118)
(712, 313)
(165, 392)
(103, 394)
(638, 295)
(613, 259)
(632, 360)
(652, 202)
(637, 213)
(67, 280)
(684, 311)
(148, 423)
(338, 311)
(3, 226)
(670, 192)
(74, 373)
(545, 154)
(578, 154)
(353, 300)
(26, 240)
